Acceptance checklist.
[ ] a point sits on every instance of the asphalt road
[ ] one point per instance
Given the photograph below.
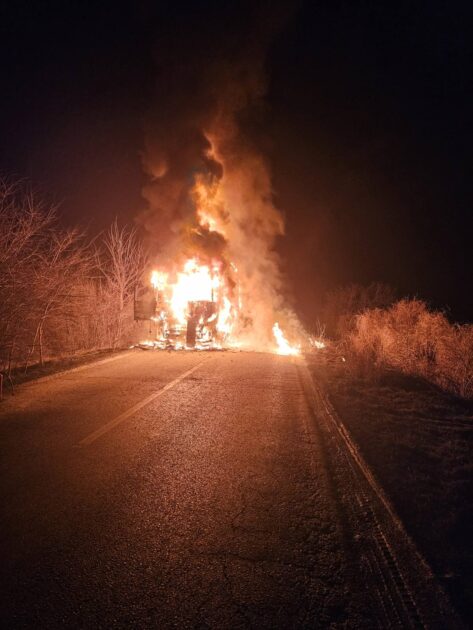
(179, 490)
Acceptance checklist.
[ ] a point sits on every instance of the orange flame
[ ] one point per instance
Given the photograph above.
(283, 346)
(208, 210)
(217, 282)
(194, 283)
(159, 280)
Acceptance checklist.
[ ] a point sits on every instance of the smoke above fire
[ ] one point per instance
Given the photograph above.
(209, 195)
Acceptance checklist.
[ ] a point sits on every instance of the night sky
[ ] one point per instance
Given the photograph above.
(366, 124)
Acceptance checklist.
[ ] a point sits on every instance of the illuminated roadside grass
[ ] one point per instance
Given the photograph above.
(418, 440)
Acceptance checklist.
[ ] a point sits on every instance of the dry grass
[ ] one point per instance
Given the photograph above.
(416, 341)
(342, 305)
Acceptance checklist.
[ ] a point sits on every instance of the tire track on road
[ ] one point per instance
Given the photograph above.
(408, 595)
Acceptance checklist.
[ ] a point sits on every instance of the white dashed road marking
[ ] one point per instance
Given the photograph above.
(132, 410)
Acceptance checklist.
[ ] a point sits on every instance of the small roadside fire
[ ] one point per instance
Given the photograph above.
(283, 346)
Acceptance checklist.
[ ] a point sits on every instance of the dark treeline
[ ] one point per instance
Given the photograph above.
(61, 293)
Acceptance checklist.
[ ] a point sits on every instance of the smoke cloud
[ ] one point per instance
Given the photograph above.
(209, 193)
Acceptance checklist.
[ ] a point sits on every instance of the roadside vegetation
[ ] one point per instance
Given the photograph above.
(400, 376)
(375, 332)
(61, 293)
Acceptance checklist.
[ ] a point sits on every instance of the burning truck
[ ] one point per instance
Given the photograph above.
(191, 308)
(217, 281)
(197, 307)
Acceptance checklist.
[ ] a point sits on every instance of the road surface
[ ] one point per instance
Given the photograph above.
(185, 490)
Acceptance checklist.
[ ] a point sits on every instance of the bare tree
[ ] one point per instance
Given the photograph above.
(25, 225)
(123, 265)
(60, 293)
(62, 265)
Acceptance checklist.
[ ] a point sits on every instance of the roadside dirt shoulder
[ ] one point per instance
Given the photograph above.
(55, 369)
(419, 444)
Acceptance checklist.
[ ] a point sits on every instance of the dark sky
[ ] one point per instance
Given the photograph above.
(366, 123)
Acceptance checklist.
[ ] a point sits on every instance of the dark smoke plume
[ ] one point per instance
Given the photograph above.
(210, 83)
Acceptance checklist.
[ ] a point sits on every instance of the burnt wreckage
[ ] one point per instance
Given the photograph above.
(200, 329)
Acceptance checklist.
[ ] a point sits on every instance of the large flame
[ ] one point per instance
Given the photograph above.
(208, 208)
(204, 292)
(198, 283)
(197, 291)
(210, 199)
(194, 283)
(159, 280)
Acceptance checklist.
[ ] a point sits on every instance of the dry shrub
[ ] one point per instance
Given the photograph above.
(416, 341)
(455, 360)
(342, 305)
